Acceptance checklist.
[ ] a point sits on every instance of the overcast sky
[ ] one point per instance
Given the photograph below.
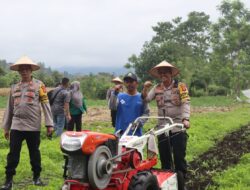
(87, 32)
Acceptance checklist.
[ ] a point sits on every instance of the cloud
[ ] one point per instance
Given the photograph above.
(86, 32)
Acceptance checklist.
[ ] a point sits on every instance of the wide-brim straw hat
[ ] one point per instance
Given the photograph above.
(24, 60)
(163, 64)
(117, 79)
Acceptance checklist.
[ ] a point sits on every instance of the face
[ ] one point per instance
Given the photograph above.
(131, 85)
(25, 71)
(165, 75)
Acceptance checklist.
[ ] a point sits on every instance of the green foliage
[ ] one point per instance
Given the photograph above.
(183, 43)
(214, 90)
(234, 178)
(206, 53)
(95, 86)
(207, 128)
(230, 58)
(209, 101)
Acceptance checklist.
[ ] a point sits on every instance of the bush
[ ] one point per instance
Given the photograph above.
(198, 93)
(214, 90)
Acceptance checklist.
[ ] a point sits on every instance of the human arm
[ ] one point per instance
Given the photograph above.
(8, 115)
(147, 93)
(146, 87)
(113, 101)
(185, 104)
(43, 97)
(108, 94)
(67, 98)
(84, 105)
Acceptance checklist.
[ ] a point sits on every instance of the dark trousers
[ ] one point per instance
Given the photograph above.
(113, 117)
(33, 141)
(75, 120)
(176, 143)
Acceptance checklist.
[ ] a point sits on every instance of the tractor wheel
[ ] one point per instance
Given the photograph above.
(143, 181)
(100, 168)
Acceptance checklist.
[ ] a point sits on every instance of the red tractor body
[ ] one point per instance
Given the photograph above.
(103, 161)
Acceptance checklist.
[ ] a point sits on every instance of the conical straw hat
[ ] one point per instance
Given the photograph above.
(24, 60)
(117, 79)
(154, 70)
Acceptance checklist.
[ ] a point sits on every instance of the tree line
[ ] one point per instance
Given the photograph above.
(213, 57)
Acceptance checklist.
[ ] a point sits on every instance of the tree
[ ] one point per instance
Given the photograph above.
(231, 46)
(185, 44)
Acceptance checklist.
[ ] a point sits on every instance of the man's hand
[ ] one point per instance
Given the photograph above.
(68, 117)
(147, 84)
(6, 134)
(186, 123)
(50, 130)
(146, 87)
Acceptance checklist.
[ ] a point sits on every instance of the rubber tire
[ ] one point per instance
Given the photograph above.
(144, 181)
(95, 181)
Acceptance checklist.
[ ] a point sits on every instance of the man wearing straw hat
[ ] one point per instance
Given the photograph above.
(173, 101)
(118, 85)
(22, 120)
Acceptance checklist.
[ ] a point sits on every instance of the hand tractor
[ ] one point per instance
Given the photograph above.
(98, 161)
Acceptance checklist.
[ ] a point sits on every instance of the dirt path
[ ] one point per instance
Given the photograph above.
(101, 113)
(225, 154)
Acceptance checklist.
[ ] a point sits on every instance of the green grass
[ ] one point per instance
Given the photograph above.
(3, 101)
(211, 101)
(235, 178)
(206, 129)
(206, 101)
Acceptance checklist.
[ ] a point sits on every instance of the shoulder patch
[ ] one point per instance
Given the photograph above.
(183, 92)
(43, 93)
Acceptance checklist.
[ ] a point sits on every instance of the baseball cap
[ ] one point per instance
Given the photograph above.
(130, 76)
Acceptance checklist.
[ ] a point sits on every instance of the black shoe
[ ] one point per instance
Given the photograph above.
(38, 182)
(7, 185)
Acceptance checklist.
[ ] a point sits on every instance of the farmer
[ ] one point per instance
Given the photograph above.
(77, 107)
(117, 84)
(22, 120)
(60, 106)
(173, 101)
(129, 104)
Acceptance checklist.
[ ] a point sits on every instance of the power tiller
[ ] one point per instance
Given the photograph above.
(95, 161)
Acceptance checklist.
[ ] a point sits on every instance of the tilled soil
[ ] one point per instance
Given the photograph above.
(226, 153)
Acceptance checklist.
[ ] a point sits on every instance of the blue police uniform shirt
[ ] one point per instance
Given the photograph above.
(128, 109)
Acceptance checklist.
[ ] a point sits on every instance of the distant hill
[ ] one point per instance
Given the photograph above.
(93, 70)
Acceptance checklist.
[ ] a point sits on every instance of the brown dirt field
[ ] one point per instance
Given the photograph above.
(102, 113)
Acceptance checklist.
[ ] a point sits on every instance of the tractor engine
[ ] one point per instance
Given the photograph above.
(87, 157)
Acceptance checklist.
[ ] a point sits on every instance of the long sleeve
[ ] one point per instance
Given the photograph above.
(185, 109)
(113, 101)
(8, 115)
(150, 95)
(45, 105)
(84, 105)
(47, 114)
(185, 101)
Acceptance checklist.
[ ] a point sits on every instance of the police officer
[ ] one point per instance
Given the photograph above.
(22, 120)
(173, 101)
